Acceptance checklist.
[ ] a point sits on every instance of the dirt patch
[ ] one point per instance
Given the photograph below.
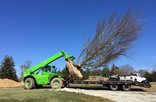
(8, 83)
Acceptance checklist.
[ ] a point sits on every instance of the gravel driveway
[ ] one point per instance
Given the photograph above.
(119, 96)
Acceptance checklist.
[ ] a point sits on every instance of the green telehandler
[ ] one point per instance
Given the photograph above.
(45, 74)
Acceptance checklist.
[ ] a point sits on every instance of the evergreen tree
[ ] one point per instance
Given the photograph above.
(106, 72)
(153, 75)
(86, 73)
(148, 76)
(7, 69)
(65, 73)
(0, 72)
(96, 72)
(114, 70)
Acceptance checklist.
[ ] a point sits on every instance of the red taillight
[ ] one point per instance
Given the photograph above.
(131, 77)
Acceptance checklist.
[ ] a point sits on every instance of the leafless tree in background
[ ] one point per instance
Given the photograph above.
(126, 69)
(142, 72)
(113, 38)
(26, 65)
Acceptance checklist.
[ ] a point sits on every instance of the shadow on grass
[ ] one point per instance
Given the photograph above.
(105, 88)
(27, 100)
(80, 87)
(97, 88)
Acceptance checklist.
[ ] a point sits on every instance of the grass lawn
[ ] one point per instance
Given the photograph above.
(44, 95)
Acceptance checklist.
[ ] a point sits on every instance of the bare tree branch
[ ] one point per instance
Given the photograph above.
(113, 38)
(26, 65)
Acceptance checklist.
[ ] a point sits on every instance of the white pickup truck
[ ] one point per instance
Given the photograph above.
(133, 77)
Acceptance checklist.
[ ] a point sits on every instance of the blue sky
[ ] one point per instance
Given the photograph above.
(37, 29)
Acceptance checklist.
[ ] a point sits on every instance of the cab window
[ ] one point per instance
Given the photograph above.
(48, 69)
(133, 74)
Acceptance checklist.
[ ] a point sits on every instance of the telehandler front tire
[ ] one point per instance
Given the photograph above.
(56, 83)
(29, 83)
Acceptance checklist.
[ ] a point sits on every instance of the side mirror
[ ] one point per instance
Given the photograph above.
(31, 72)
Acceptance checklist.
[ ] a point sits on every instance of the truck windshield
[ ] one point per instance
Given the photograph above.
(133, 74)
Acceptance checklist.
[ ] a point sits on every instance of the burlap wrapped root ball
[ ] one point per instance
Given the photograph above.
(73, 71)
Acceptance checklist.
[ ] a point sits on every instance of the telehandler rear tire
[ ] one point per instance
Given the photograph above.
(29, 83)
(56, 83)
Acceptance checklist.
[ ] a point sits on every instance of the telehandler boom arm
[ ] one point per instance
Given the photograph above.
(49, 60)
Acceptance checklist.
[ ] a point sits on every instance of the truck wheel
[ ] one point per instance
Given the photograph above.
(114, 87)
(29, 83)
(56, 83)
(126, 87)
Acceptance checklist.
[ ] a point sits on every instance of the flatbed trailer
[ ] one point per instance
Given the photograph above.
(113, 85)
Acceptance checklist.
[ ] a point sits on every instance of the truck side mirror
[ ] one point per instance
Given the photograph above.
(31, 72)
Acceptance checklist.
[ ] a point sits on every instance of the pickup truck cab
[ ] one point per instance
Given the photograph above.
(133, 77)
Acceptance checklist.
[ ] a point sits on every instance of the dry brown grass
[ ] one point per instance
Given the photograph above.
(153, 83)
(153, 88)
